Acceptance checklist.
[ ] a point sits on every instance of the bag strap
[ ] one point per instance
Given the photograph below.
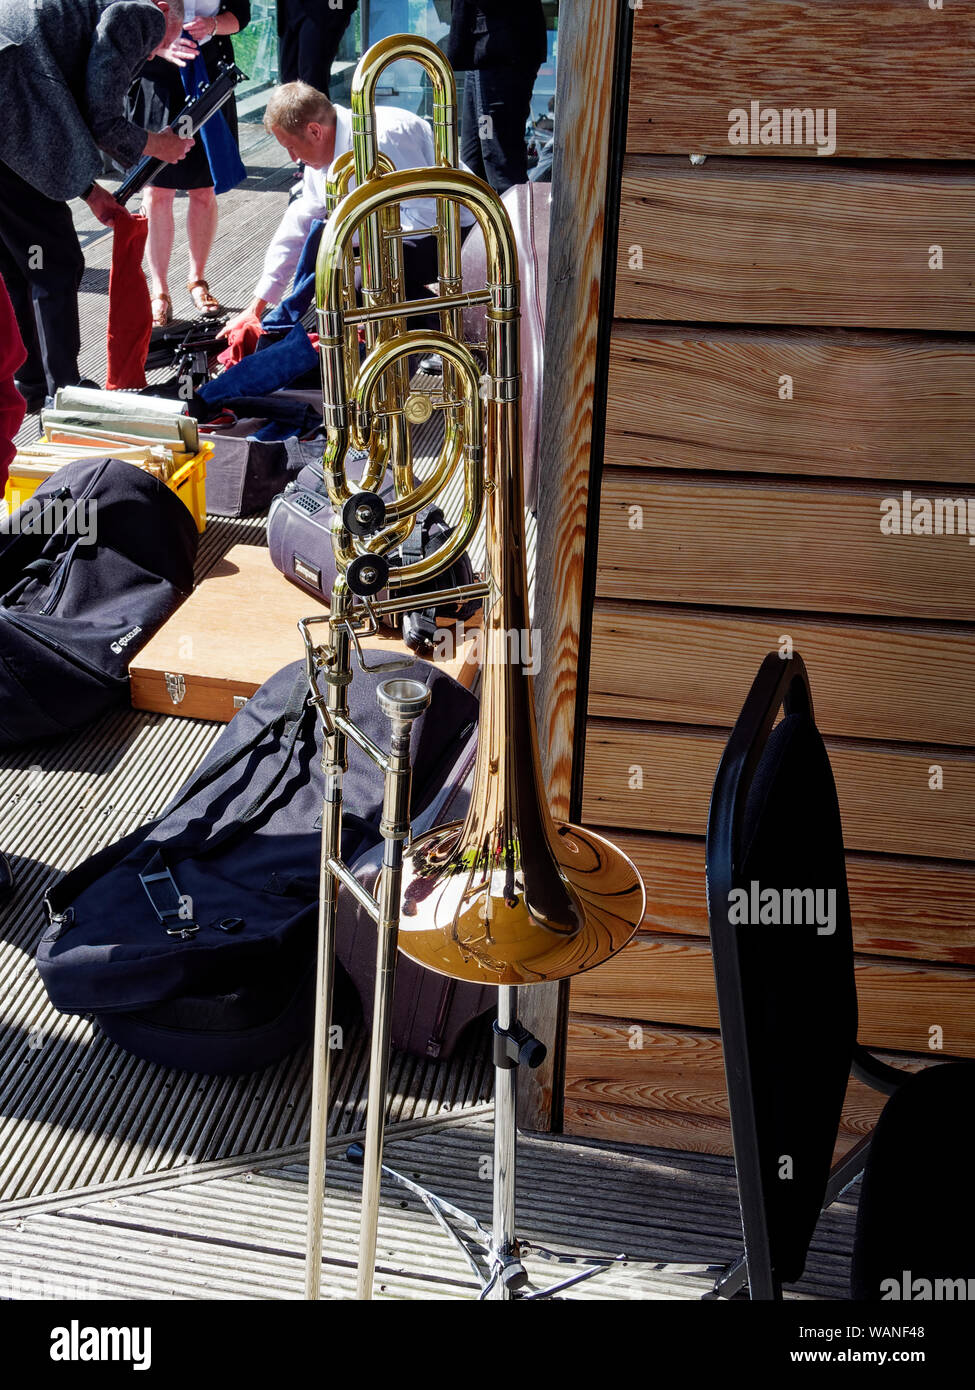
(295, 717)
(291, 714)
(78, 879)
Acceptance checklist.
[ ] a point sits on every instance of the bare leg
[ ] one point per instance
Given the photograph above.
(201, 228)
(158, 205)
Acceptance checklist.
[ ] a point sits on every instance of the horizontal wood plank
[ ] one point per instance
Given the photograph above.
(924, 910)
(661, 1129)
(671, 1094)
(898, 681)
(822, 403)
(877, 63)
(751, 544)
(671, 980)
(679, 1069)
(886, 802)
(770, 241)
(620, 1124)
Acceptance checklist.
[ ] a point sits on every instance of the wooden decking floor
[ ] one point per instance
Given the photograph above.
(235, 1230)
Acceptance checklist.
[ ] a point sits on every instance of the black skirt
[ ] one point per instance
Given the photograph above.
(158, 96)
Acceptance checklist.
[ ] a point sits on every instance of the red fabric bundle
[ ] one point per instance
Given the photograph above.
(241, 341)
(129, 305)
(12, 404)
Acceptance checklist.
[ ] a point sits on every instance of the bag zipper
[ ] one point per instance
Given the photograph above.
(61, 578)
(63, 651)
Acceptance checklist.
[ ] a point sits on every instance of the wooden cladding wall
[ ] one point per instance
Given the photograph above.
(895, 72)
(777, 241)
(791, 390)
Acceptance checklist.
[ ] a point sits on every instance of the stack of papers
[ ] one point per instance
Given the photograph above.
(107, 421)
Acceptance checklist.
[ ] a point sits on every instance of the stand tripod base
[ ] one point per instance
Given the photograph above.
(501, 1274)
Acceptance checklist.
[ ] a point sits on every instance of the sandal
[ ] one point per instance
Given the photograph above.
(203, 300)
(162, 310)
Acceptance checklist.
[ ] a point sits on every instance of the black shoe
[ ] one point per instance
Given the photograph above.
(35, 396)
(6, 876)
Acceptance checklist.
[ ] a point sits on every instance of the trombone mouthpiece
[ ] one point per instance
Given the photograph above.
(402, 698)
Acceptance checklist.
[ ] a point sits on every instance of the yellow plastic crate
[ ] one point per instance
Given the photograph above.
(188, 483)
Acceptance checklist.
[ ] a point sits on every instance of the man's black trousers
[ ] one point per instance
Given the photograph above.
(42, 264)
(309, 45)
(497, 102)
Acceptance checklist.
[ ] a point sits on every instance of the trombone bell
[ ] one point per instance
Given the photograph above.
(475, 917)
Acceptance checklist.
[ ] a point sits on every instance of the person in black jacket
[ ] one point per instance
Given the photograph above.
(311, 31)
(65, 67)
(501, 44)
(156, 100)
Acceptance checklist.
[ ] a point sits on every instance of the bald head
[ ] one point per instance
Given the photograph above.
(174, 14)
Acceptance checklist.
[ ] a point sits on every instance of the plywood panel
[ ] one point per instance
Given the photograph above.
(901, 907)
(877, 63)
(885, 799)
(584, 177)
(671, 980)
(903, 681)
(863, 405)
(761, 545)
(770, 241)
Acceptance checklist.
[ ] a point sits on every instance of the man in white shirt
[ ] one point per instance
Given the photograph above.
(315, 132)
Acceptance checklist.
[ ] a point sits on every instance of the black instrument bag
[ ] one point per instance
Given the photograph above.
(90, 566)
(192, 941)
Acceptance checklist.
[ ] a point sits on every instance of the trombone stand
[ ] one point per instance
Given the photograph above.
(495, 1256)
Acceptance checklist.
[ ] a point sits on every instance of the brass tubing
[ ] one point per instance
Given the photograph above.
(467, 300)
(406, 507)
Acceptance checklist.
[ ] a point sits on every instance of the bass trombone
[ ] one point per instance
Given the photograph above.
(508, 896)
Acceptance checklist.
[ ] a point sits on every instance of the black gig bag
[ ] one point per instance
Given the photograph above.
(192, 940)
(90, 567)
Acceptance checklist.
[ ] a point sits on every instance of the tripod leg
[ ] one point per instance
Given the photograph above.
(403, 701)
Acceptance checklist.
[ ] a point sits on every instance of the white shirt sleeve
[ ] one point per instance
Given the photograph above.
(285, 249)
